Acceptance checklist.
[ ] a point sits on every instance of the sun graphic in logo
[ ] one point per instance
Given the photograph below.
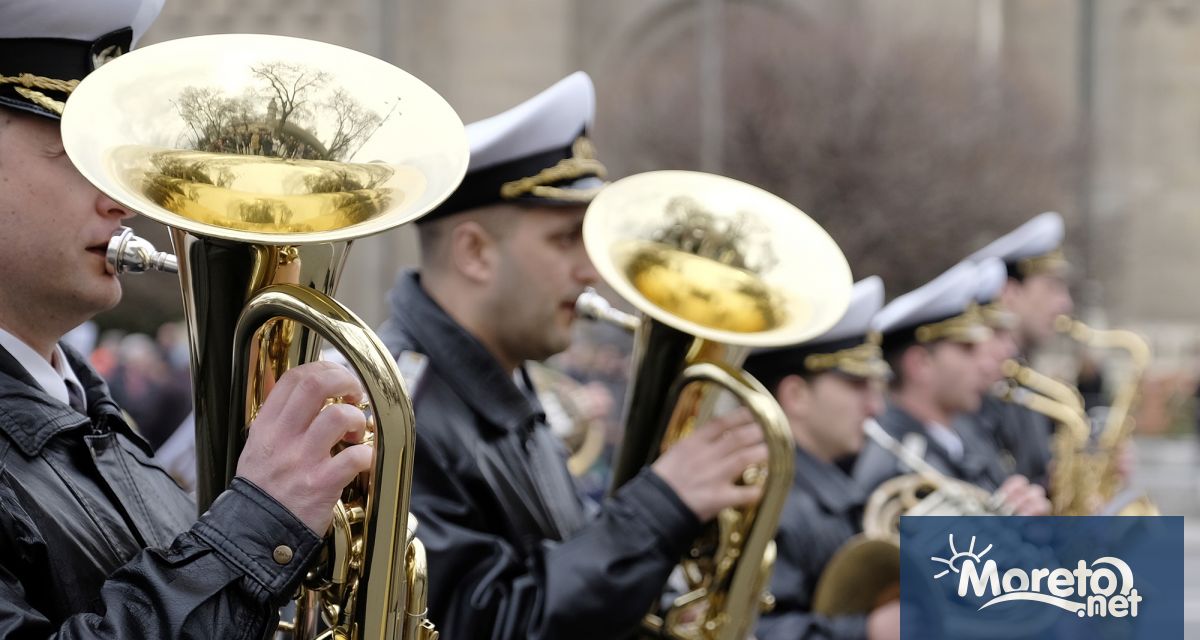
(958, 557)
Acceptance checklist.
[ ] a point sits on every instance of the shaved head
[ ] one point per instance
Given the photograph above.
(497, 220)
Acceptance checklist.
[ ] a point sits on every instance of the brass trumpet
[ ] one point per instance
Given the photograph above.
(715, 267)
(266, 156)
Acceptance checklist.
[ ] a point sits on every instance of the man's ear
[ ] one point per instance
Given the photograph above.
(794, 395)
(915, 362)
(474, 252)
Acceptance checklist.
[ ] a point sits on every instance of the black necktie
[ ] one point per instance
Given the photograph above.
(75, 397)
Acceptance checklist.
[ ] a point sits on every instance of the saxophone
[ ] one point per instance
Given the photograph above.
(1072, 485)
(1119, 423)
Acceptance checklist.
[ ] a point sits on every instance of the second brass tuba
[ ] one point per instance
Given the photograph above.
(716, 267)
(266, 156)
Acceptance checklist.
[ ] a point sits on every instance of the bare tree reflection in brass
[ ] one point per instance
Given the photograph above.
(697, 267)
(276, 116)
(270, 159)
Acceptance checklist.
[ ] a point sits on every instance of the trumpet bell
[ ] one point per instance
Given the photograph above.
(717, 258)
(265, 139)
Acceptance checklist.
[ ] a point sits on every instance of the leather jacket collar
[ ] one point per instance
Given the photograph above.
(30, 417)
(461, 360)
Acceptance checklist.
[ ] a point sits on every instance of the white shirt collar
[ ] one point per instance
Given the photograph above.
(51, 377)
(947, 437)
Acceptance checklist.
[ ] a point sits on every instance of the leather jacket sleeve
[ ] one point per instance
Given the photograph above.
(220, 579)
(597, 583)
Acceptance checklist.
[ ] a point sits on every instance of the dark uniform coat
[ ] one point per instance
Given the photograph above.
(1022, 436)
(511, 555)
(96, 541)
(823, 511)
(980, 463)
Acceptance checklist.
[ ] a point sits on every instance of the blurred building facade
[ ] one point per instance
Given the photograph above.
(1123, 75)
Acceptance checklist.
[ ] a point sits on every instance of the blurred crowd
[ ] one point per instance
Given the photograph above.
(148, 375)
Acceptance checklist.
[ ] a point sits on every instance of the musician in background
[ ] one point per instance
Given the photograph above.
(930, 336)
(1035, 292)
(97, 540)
(827, 387)
(512, 553)
(984, 424)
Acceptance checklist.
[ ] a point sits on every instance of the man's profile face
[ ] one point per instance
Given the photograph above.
(1037, 301)
(543, 270)
(991, 355)
(840, 406)
(956, 376)
(54, 225)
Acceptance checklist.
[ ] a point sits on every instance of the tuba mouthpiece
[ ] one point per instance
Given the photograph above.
(127, 253)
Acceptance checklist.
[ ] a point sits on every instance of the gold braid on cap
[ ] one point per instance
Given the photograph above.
(1054, 263)
(968, 327)
(997, 317)
(862, 361)
(30, 84)
(581, 164)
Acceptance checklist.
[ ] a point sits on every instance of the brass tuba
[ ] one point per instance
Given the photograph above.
(266, 156)
(716, 267)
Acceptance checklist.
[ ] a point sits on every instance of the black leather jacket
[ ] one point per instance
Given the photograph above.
(96, 541)
(510, 555)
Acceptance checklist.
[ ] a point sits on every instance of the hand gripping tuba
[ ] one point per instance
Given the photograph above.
(266, 156)
(716, 267)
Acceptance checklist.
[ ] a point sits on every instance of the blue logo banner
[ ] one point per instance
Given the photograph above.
(987, 578)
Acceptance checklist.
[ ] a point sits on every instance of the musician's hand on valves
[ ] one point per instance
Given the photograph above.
(704, 468)
(1024, 497)
(288, 452)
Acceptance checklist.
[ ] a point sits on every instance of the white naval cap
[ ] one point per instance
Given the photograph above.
(990, 279)
(866, 299)
(46, 45)
(1031, 248)
(934, 311)
(848, 344)
(992, 275)
(537, 151)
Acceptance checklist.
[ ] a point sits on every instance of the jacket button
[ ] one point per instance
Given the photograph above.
(282, 554)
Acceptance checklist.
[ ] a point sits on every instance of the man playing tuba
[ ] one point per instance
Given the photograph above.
(512, 551)
(99, 542)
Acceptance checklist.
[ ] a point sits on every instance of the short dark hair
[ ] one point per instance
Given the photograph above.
(893, 354)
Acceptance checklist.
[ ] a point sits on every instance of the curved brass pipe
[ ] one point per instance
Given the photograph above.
(1119, 424)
